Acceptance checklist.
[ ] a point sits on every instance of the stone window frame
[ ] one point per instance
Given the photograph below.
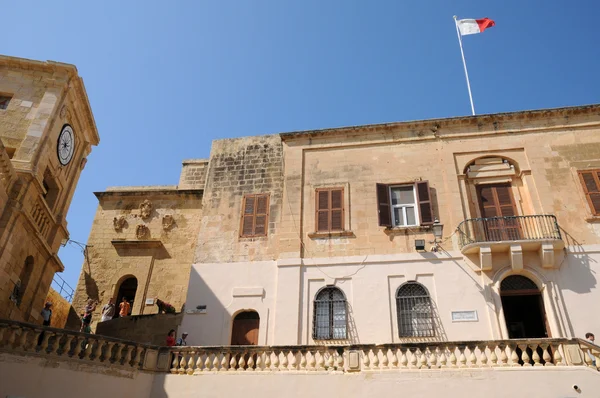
(254, 214)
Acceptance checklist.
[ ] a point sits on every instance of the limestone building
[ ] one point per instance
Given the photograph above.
(47, 130)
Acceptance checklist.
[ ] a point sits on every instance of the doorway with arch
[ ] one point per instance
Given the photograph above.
(127, 289)
(523, 308)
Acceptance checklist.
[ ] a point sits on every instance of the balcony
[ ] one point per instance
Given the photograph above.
(515, 235)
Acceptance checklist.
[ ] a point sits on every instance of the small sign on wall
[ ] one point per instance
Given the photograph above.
(150, 301)
(464, 316)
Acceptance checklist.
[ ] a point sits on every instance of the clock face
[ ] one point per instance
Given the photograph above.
(66, 145)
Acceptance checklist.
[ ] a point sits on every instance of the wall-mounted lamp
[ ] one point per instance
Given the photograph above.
(438, 231)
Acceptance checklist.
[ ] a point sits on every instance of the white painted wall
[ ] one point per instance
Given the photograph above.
(370, 283)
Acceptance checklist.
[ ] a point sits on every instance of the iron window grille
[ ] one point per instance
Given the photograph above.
(415, 311)
(517, 283)
(330, 315)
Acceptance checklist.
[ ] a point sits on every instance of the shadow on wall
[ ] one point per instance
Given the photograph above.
(577, 264)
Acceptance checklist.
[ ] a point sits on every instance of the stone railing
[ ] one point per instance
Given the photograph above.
(451, 355)
(24, 338)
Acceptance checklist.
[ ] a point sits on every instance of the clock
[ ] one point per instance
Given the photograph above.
(66, 145)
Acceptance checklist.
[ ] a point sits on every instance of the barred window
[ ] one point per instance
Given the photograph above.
(415, 312)
(329, 316)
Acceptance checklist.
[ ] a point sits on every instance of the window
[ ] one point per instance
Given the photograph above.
(329, 316)
(255, 215)
(330, 209)
(50, 189)
(590, 180)
(404, 205)
(4, 100)
(415, 312)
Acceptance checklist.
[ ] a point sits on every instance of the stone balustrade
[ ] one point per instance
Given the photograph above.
(24, 338)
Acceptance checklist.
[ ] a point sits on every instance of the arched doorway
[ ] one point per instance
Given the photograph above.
(523, 308)
(245, 328)
(127, 289)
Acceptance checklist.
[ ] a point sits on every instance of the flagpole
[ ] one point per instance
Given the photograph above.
(462, 53)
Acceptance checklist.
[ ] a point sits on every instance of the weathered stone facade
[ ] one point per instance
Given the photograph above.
(145, 233)
(35, 187)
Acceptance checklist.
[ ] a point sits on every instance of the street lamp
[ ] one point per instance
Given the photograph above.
(438, 231)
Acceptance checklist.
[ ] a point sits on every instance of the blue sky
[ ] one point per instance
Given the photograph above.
(166, 78)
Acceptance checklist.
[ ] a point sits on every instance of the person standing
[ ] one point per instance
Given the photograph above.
(86, 318)
(181, 341)
(47, 314)
(171, 338)
(108, 311)
(124, 308)
(591, 338)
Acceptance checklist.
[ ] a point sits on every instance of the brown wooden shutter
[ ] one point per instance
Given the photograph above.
(424, 201)
(590, 180)
(383, 205)
(323, 210)
(255, 215)
(337, 210)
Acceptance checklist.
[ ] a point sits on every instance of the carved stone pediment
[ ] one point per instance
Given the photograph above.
(145, 209)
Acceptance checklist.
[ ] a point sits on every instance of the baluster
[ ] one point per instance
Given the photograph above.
(453, 359)
(483, 359)
(190, 364)
(413, 358)
(462, 358)
(250, 366)
(138, 357)
(340, 361)
(259, 362)
(514, 357)
(524, 355)
(366, 360)
(68, 344)
(22, 344)
(267, 360)
(472, 357)
(312, 363)
(535, 356)
(503, 356)
(3, 329)
(175, 364)
(303, 360)
(375, 361)
(546, 355)
(182, 363)
(294, 362)
(403, 359)
(558, 358)
(53, 349)
(330, 360)
(589, 362)
(78, 347)
(422, 360)
(198, 356)
(284, 361)
(12, 335)
(385, 361)
(493, 356)
(276, 360)
(321, 361)
(119, 353)
(232, 362)
(45, 341)
(97, 349)
(109, 349)
(224, 362)
(433, 359)
(242, 362)
(215, 362)
(443, 358)
(394, 358)
(208, 362)
(35, 341)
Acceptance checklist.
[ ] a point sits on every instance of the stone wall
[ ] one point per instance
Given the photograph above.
(148, 233)
(146, 329)
(62, 310)
(240, 166)
(193, 174)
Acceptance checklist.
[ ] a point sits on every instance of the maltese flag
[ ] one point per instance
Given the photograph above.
(472, 26)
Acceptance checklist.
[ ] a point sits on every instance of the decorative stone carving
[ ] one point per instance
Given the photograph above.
(167, 222)
(83, 163)
(63, 112)
(119, 223)
(145, 209)
(142, 232)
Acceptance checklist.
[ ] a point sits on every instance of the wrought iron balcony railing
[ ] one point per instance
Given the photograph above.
(500, 229)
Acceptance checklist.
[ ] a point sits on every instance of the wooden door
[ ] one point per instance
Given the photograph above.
(497, 207)
(245, 329)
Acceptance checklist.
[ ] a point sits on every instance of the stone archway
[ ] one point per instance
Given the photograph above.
(128, 289)
(523, 308)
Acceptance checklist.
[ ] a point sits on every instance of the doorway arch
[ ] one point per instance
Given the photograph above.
(523, 308)
(245, 326)
(127, 289)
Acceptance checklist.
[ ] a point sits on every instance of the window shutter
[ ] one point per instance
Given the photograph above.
(323, 210)
(337, 210)
(383, 205)
(505, 202)
(261, 219)
(590, 180)
(248, 216)
(424, 199)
